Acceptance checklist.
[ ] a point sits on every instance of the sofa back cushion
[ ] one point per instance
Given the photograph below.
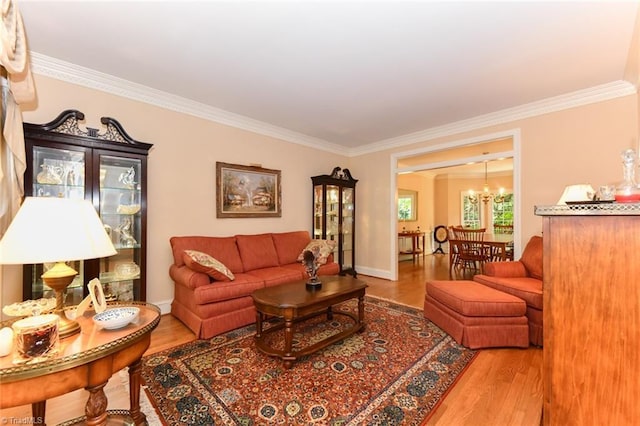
(532, 257)
(223, 249)
(257, 251)
(289, 245)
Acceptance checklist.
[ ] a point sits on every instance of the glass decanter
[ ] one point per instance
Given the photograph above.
(627, 191)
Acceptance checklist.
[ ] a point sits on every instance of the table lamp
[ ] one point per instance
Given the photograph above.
(49, 229)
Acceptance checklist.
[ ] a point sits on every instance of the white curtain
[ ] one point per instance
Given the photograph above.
(17, 88)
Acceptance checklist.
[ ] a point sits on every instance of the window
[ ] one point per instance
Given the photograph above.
(503, 212)
(407, 205)
(470, 210)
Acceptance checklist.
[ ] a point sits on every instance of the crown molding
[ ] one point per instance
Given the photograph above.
(65, 71)
(75, 74)
(604, 92)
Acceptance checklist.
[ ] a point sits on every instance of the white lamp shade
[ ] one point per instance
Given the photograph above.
(49, 229)
(578, 192)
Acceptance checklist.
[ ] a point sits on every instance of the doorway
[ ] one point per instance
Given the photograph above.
(457, 157)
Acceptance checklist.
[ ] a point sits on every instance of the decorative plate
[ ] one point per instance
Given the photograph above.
(30, 307)
(115, 318)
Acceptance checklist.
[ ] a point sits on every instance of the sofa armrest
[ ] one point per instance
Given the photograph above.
(187, 277)
(513, 269)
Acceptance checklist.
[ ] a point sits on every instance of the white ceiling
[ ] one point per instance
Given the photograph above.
(350, 73)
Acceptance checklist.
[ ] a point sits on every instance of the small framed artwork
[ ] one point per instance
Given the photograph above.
(247, 191)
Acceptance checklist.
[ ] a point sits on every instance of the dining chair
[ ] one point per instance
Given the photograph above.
(454, 254)
(454, 246)
(496, 252)
(472, 252)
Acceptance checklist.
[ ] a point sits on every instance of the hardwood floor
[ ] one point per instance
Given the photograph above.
(500, 387)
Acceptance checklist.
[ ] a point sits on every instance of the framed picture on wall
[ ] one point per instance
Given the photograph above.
(247, 191)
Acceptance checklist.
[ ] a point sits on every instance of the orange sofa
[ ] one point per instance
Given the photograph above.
(210, 306)
(523, 279)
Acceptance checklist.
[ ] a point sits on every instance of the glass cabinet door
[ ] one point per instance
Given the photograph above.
(121, 213)
(347, 227)
(333, 210)
(58, 173)
(318, 211)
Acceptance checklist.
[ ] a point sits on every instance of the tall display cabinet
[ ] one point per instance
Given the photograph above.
(334, 209)
(110, 170)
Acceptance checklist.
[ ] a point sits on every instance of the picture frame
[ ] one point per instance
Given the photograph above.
(247, 191)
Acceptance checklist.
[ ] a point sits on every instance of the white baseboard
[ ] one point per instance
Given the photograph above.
(165, 306)
(378, 273)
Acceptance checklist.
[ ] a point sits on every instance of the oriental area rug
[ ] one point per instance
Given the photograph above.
(395, 372)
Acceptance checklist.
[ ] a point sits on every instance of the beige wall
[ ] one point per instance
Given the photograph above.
(557, 149)
(577, 145)
(182, 174)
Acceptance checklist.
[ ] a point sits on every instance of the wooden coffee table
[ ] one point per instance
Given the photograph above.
(294, 302)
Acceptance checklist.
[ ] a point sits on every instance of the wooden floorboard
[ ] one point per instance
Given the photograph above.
(500, 387)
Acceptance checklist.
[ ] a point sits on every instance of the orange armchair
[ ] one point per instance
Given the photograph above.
(523, 279)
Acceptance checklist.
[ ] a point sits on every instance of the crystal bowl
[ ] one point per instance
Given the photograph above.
(127, 271)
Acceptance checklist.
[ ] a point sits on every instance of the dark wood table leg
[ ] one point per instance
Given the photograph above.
(329, 313)
(361, 309)
(96, 407)
(259, 319)
(135, 380)
(288, 357)
(38, 410)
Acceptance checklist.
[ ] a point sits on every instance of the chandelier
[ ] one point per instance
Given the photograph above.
(486, 195)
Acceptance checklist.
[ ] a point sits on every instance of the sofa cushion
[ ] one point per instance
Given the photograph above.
(323, 248)
(526, 288)
(329, 268)
(202, 262)
(532, 257)
(277, 275)
(222, 248)
(289, 245)
(242, 286)
(506, 269)
(257, 251)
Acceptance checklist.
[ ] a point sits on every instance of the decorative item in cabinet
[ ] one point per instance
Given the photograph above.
(109, 168)
(334, 206)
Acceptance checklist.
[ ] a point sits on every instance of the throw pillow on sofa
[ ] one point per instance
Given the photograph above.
(323, 247)
(202, 262)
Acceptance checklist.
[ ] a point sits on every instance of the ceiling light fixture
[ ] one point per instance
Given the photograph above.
(486, 195)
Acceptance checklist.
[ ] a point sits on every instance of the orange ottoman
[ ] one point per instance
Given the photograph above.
(475, 315)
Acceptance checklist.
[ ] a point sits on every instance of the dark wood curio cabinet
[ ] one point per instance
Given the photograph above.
(334, 209)
(108, 168)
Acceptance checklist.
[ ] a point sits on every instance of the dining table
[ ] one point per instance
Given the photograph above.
(495, 247)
